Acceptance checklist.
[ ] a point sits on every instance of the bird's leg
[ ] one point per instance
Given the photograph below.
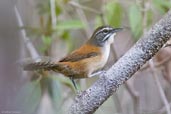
(75, 86)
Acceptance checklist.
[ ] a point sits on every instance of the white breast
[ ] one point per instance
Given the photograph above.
(106, 52)
(106, 49)
(96, 65)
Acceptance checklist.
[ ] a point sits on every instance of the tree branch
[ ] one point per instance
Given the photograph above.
(88, 101)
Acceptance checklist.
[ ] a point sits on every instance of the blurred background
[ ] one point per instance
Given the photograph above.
(53, 28)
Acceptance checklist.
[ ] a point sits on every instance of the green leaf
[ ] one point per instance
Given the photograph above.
(29, 97)
(54, 91)
(135, 20)
(65, 35)
(114, 14)
(70, 24)
(162, 5)
(58, 9)
(47, 40)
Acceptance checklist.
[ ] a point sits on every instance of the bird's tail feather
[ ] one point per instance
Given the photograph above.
(42, 65)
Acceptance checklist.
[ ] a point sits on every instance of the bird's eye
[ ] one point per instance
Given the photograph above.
(105, 31)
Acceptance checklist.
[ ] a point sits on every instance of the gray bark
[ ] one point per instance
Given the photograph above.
(89, 100)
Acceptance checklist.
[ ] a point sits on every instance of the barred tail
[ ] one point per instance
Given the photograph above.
(40, 66)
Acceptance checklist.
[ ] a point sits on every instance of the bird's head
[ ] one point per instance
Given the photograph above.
(103, 35)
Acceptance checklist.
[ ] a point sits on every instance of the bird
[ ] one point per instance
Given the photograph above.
(84, 62)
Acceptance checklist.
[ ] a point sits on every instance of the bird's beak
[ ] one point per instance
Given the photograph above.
(117, 30)
(113, 33)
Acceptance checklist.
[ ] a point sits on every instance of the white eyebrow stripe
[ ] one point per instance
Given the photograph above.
(107, 28)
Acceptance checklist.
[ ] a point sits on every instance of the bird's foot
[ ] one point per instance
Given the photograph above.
(103, 73)
(100, 73)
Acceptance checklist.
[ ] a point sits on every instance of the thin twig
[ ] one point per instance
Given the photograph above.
(166, 60)
(164, 99)
(157, 64)
(83, 18)
(53, 13)
(103, 19)
(164, 109)
(28, 43)
(73, 3)
(135, 95)
(160, 111)
(117, 102)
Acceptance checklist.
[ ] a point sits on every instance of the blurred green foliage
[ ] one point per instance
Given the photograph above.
(29, 96)
(141, 15)
(54, 92)
(69, 24)
(149, 20)
(162, 5)
(47, 40)
(135, 20)
(114, 14)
